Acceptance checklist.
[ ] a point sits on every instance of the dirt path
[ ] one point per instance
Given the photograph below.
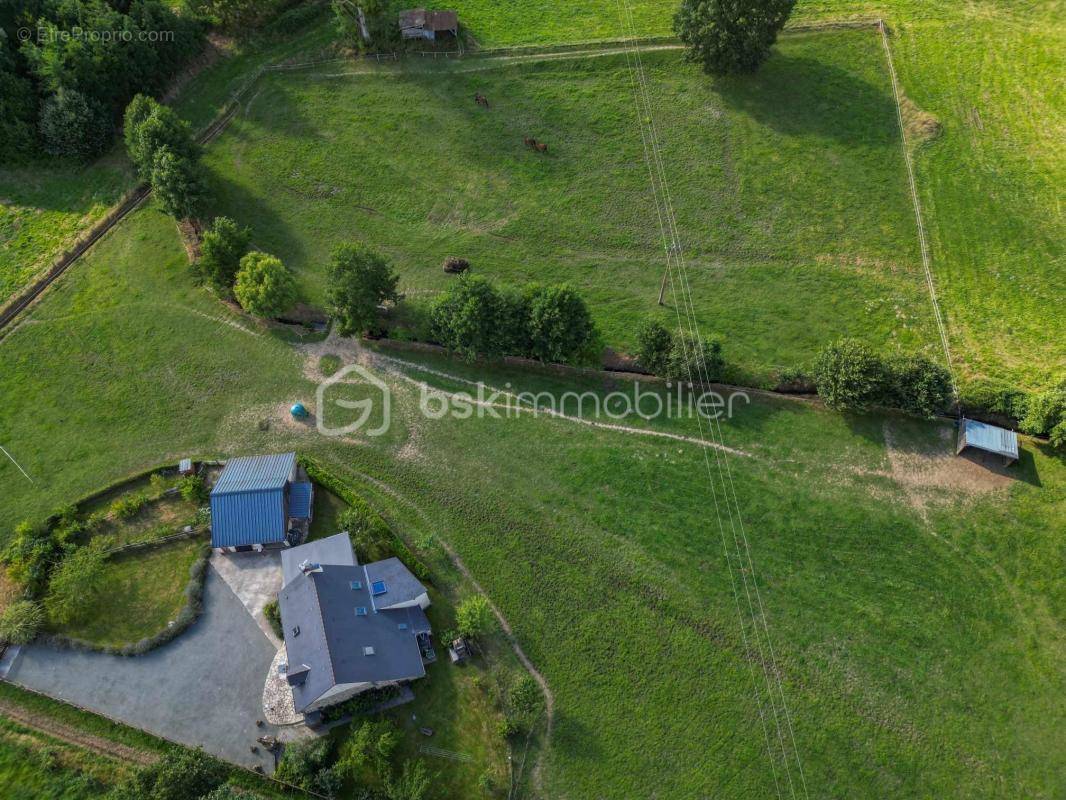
(70, 735)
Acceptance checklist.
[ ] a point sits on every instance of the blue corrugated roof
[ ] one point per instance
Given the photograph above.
(254, 473)
(990, 438)
(300, 500)
(248, 501)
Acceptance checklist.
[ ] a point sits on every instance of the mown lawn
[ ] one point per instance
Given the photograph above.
(145, 590)
(789, 189)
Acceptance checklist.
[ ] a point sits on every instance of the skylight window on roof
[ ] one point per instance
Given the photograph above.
(402, 626)
(378, 587)
(360, 611)
(368, 651)
(355, 585)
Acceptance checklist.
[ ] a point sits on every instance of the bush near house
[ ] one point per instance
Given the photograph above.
(20, 622)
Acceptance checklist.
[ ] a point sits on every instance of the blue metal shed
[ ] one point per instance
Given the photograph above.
(248, 502)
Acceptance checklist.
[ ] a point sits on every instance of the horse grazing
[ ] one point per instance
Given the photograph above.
(530, 142)
(540, 147)
(481, 100)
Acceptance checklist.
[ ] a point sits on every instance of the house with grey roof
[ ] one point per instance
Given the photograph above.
(261, 501)
(349, 627)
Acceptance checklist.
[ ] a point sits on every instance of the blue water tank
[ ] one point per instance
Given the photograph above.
(298, 411)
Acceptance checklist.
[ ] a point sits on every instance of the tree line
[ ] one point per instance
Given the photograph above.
(69, 67)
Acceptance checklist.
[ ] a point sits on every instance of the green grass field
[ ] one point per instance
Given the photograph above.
(44, 207)
(915, 600)
(916, 612)
(789, 188)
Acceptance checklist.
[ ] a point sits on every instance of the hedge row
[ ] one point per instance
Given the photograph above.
(323, 477)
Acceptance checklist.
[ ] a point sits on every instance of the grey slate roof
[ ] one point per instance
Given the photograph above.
(403, 587)
(331, 638)
(336, 549)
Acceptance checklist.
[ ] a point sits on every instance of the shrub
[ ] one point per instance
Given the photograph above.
(264, 285)
(181, 774)
(1057, 436)
(411, 784)
(223, 246)
(360, 705)
(272, 612)
(848, 375)
(525, 700)
(359, 280)
(696, 360)
(20, 622)
(654, 342)
(157, 486)
(193, 489)
(725, 36)
(74, 126)
(177, 182)
(306, 764)
(30, 555)
(329, 364)
(1045, 411)
(470, 318)
(917, 385)
(559, 326)
(474, 617)
(128, 505)
(369, 747)
(74, 582)
(996, 398)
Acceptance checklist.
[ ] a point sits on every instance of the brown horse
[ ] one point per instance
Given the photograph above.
(530, 142)
(541, 147)
(481, 100)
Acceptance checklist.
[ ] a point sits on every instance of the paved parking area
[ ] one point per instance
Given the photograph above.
(256, 580)
(203, 689)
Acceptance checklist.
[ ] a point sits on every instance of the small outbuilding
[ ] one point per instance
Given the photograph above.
(259, 501)
(418, 23)
(989, 438)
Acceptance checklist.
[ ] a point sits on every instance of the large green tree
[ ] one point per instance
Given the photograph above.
(74, 582)
(149, 127)
(264, 287)
(849, 376)
(472, 319)
(359, 280)
(559, 325)
(224, 245)
(74, 126)
(730, 36)
(178, 183)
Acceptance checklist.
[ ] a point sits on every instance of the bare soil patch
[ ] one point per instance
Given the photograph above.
(933, 471)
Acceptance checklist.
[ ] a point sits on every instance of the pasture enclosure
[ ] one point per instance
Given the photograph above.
(789, 187)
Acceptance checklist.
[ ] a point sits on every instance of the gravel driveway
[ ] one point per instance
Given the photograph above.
(203, 689)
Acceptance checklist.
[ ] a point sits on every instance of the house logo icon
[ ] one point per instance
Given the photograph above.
(381, 398)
